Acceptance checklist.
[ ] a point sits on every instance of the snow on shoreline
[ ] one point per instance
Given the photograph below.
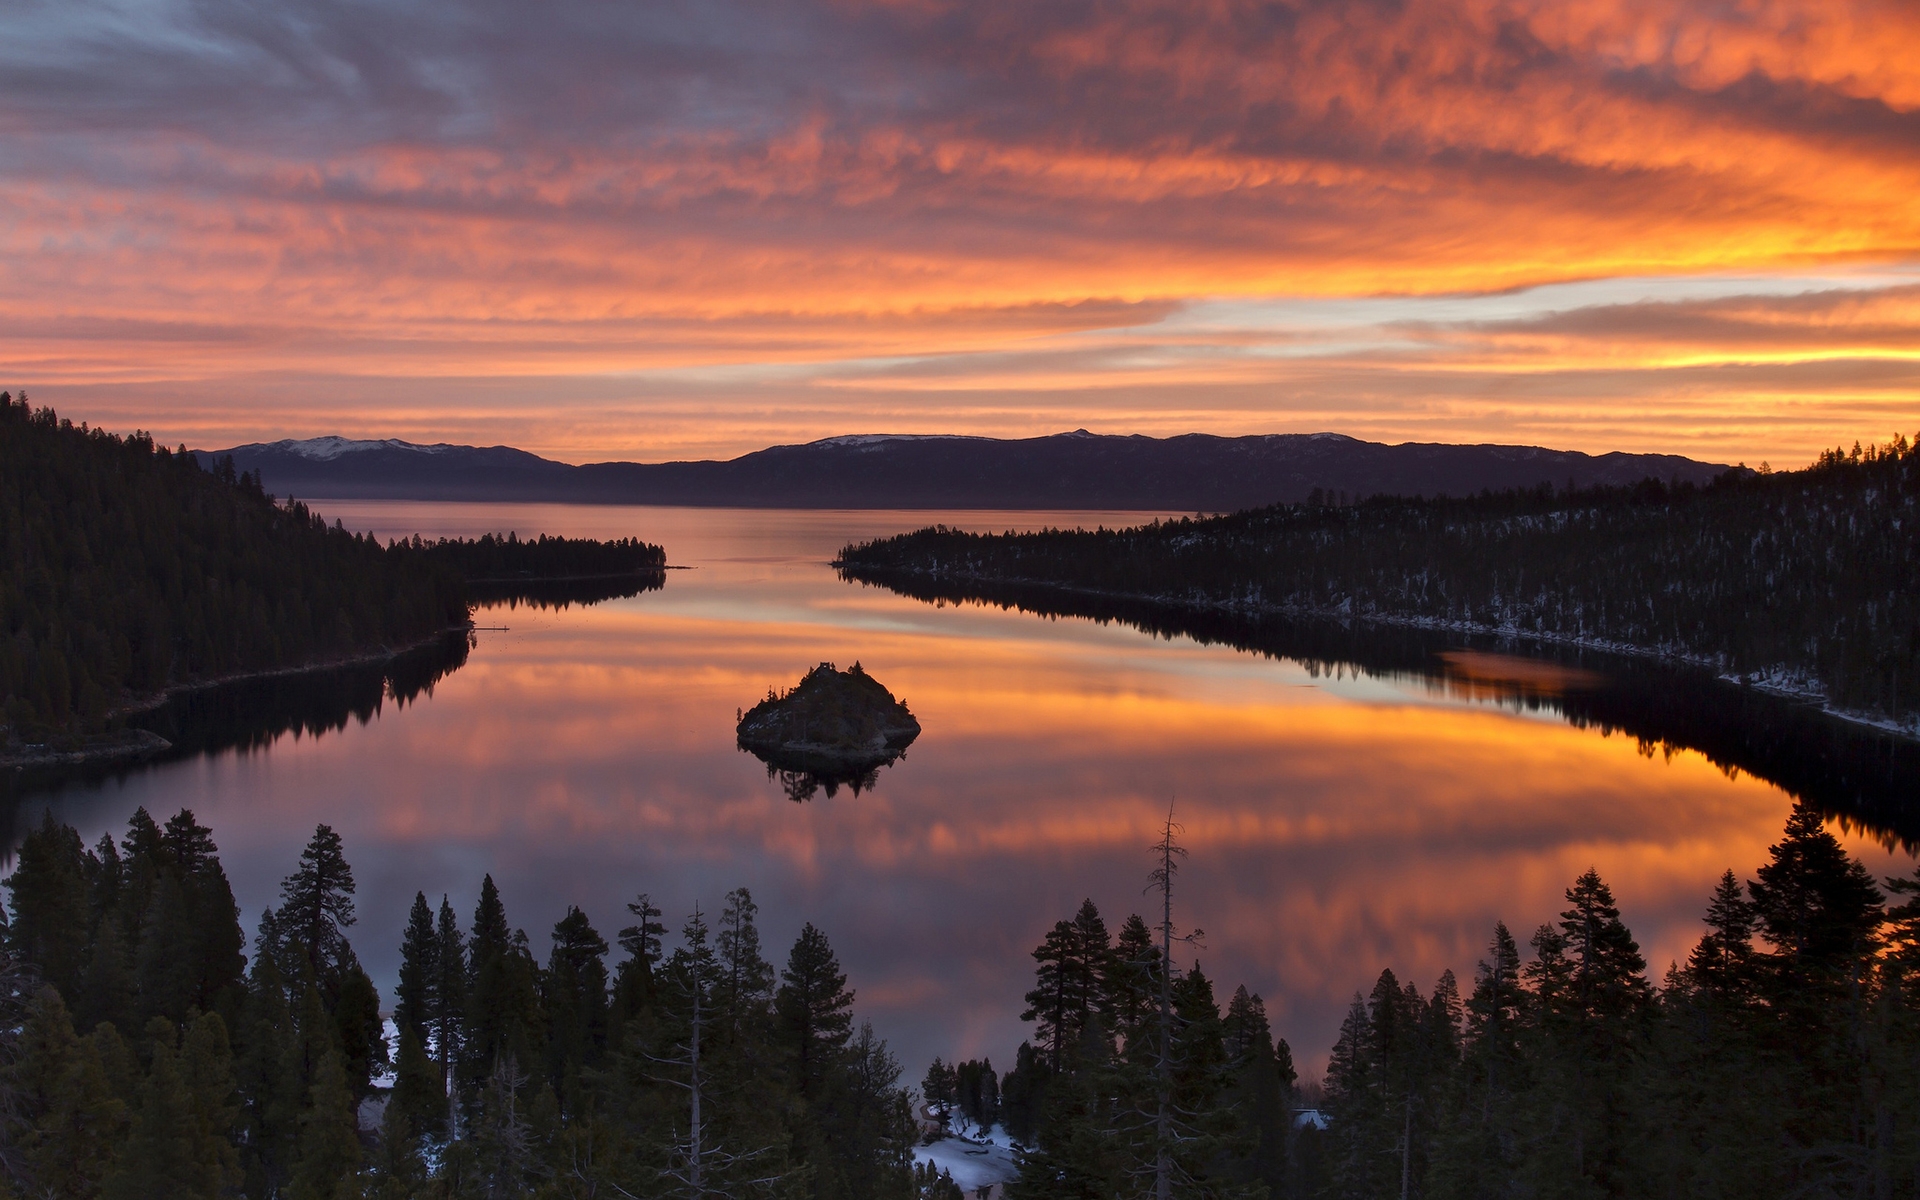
(1775, 681)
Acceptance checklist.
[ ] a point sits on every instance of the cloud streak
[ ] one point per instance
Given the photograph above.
(214, 199)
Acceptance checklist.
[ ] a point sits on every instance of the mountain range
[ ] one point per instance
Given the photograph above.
(1079, 470)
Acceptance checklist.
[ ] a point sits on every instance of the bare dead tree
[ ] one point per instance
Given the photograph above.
(697, 1166)
(1166, 1133)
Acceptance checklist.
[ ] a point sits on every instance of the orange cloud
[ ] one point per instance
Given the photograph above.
(215, 206)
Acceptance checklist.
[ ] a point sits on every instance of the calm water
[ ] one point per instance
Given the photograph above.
(1337, 825)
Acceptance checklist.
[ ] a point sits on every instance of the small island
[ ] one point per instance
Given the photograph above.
(834, 727)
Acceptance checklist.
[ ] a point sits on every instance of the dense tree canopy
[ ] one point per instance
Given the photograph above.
(1807, 577)
(506, 558)
(152, 1058)
(1778, 1060)
(125, 567)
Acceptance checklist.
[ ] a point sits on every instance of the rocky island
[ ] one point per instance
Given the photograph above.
(835, 727)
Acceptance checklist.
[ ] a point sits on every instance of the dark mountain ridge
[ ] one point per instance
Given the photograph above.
(1190, 473)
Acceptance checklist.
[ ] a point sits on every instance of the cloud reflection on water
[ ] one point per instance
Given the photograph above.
(1336, 826)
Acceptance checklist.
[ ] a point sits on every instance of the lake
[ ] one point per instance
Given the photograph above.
(1338, 821)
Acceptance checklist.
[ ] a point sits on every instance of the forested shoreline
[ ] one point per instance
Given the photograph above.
(127, 570)
(146, 1054)
(505, 558)
(1801, 580)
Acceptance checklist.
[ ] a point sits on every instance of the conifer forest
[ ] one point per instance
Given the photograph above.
(1807, 579)
(147, 1053)
(154, 1047)
(126, 569)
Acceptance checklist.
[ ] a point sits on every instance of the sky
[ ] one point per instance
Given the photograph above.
(620, 230)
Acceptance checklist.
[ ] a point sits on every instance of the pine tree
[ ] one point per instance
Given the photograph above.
(316, 908)
(214, 946)
(1132, 982)
(977, 1092)
(272, 1086)
(1260, 1088)
(399, 1171)
(870, 1123)
(1820, 910)
(1070, 983)
(1708, 1104)
(941, 1087)
(167, 1153)
(419, 1097)
(1023, 1095)
(358, 1027)
(414, 998)
(190, 952)
(815, 1012)
(206, 1065)
(1478, 1148)
(747, 978)
(503, 1011)
(1353, 1109)
(328, 1164)
(1210, 1132)
(1609, 975)
(1818, 907)
(106, 986)
(144, 855)
(449, 992)
(633, 985)
(51, 906)
(70, 1122)
(576, 1004)
(1722, 965)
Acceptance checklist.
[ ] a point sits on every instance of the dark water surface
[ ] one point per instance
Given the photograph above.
(1339, 821)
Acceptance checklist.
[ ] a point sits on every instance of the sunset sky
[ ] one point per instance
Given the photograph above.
(650, 230)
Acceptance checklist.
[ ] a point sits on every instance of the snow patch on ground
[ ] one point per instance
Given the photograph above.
(974, 1163)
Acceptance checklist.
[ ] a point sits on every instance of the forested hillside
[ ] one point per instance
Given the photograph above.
(1776, 1061)
(147, 1055)
(125, 567)
(1805, 578)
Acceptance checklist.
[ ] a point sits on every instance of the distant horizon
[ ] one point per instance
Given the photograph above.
(848, 437)
(431, 440)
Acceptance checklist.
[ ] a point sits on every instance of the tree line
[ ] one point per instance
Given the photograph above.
(1782, 1058)
(501, 558)
(143, 1054)
(127, 568)
(1805, 578)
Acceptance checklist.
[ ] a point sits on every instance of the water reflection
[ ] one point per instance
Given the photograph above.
(1864, 777)
(562, 593)
(801, 783)
(1341, 819)
(253, 713)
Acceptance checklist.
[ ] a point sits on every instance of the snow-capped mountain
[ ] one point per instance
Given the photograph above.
(1077, 470)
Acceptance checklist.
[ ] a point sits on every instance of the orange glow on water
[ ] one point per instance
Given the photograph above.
(1337, 825)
